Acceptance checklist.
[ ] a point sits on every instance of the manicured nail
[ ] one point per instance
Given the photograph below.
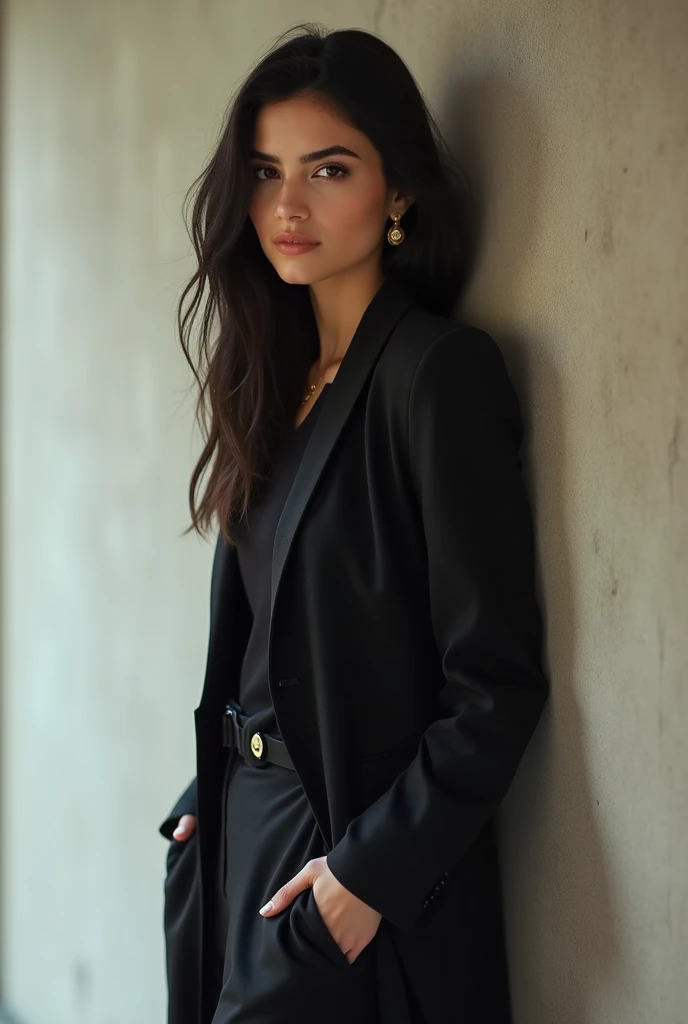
(268, 906)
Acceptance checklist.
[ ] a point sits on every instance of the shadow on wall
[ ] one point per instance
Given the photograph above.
(564, 912)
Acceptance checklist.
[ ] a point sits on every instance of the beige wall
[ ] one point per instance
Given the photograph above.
(573, 120)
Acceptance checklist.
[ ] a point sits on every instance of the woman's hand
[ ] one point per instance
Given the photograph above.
(186, 827)
(350, 921)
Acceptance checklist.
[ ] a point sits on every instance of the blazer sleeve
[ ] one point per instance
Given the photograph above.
(186, 804)
(464, 434)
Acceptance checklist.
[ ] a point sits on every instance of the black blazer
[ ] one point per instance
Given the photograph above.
(404, 662)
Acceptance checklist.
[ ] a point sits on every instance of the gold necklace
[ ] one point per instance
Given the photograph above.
(311, 389)
(314, 387)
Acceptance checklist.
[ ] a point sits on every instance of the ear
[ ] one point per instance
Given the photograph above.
(402, 202)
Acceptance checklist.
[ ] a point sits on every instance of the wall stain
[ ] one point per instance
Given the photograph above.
(82, 974)
(661, 634)
(607, 233)
(673, 451)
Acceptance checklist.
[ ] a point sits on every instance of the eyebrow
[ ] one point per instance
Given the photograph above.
(307, 158)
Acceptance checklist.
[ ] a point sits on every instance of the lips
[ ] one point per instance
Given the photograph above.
(294, 244)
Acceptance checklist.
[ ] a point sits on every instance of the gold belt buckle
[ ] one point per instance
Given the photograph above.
(257, 745)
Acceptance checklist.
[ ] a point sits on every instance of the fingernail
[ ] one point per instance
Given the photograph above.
(268, 906)
(178, 831)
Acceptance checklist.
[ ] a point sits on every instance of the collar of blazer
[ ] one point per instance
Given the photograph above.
(389, 304)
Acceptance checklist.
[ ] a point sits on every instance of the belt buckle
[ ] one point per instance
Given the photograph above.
(258, 747)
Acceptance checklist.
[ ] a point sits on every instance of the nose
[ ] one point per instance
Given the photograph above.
(288, 206)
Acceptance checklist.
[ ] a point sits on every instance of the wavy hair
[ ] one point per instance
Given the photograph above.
(256, 335)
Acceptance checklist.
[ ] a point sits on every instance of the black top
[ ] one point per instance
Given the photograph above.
(254, 538)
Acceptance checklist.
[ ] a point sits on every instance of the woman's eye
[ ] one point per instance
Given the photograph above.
(343, 171)
(339, 168)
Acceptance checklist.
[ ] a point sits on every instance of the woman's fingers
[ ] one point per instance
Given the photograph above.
(186, 827)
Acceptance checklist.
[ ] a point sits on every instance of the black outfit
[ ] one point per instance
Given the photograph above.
(255, 538)
(269, 830)
(404, 666)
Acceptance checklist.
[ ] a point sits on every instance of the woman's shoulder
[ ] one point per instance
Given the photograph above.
(424, 345)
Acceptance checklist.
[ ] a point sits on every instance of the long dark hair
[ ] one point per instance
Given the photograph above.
(250, 379)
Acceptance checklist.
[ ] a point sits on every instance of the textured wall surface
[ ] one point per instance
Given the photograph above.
(572, 118)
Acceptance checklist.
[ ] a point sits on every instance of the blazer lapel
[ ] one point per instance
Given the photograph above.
(387, 307)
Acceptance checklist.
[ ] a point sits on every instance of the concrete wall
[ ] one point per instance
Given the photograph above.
(572, 119)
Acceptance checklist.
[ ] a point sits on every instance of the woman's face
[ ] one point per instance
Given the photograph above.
(341, 200)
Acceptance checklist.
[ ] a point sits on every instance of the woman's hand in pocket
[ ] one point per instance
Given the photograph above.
(186, 827)
(351, 922)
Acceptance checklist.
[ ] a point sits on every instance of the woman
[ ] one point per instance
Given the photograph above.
(373, 672)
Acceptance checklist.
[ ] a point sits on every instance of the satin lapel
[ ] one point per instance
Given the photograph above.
(387, 307)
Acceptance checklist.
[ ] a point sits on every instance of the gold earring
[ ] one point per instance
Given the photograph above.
(395, 235)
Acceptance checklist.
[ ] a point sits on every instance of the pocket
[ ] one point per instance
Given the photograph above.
(175, 854)
(325, 939)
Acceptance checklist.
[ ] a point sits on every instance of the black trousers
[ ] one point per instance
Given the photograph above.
(285, 969)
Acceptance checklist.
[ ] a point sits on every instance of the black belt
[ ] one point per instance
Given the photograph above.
(256, 747)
